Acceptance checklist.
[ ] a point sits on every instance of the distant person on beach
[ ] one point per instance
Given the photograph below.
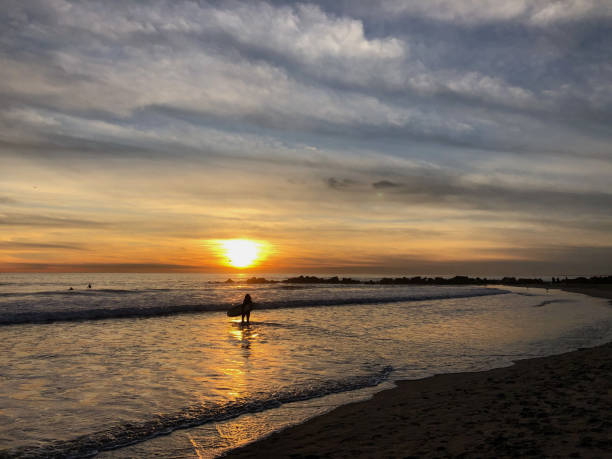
(247, 306)
(89, 286)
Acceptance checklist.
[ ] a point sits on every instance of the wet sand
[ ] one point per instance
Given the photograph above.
(599, 291)
(558, 406)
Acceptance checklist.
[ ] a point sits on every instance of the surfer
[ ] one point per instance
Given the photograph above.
(247, 306)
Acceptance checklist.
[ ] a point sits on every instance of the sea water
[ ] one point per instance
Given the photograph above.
(150, 365)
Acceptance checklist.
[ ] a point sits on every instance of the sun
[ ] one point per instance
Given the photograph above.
(240, 253)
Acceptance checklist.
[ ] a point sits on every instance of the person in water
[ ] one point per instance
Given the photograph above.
(247, 306)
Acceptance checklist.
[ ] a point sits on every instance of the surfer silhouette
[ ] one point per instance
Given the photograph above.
(247, 306)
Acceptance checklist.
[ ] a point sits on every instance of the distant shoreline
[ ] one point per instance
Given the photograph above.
(578, 282)
(557, 406)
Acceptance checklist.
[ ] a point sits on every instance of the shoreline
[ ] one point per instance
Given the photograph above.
(601, 291)
(558, 406)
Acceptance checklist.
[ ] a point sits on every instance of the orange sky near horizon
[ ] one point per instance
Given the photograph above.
(76, 219)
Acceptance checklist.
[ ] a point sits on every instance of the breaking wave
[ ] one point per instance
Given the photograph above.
(121, 312)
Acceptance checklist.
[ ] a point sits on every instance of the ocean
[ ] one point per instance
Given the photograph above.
(149, 365)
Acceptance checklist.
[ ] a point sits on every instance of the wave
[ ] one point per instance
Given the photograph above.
(191, 416)
(38, 317)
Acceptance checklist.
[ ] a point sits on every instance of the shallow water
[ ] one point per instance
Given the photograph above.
(36, 298)
(85, 386)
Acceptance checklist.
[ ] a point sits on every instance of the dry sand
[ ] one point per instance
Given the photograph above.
(559, 406)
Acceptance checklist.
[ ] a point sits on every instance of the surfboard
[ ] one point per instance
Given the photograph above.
(237, 310)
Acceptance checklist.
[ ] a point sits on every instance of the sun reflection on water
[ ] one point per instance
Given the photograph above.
(242, 336)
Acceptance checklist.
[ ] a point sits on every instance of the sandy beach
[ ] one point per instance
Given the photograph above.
(558, 406)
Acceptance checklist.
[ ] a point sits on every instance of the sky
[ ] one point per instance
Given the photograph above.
(408, 137)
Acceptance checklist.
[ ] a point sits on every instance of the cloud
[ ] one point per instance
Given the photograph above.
(443, 189)
(131, 117)
(99, 267)
(340, 184)
(7, 200)
(29, 220)
(303, 31)
(535, 12)
(382, 184)
(535, 261)
(321, 72)
(19, 245)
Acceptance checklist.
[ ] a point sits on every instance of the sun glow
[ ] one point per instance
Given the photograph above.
(241, 253)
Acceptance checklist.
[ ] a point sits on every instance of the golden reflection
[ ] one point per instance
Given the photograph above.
(232, 371)
(244, 334)
(242, 430)
(196, 447)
